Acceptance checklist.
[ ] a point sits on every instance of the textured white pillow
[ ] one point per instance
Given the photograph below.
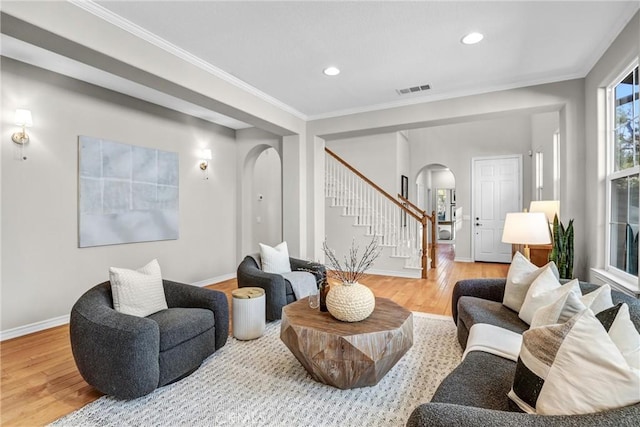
(543, 291)
(573, 368)
(569, 304)
(520, 276)
(275, 260)
(138, 292)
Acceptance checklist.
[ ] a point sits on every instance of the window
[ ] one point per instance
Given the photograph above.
(622, 175)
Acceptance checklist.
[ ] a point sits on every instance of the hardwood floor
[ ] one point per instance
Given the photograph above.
(40, 382)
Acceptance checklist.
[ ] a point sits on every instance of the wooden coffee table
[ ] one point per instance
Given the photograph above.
(347, 355)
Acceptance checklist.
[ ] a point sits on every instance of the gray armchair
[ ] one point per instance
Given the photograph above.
(128, 356)
(277, 289)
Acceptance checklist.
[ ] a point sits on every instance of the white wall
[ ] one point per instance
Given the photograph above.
(403, 164)
(566, 97)
(250, 144)
(456, 144)
(376, 156)
(543, 128)
(43, 270)
(620, 54)
(267, 199)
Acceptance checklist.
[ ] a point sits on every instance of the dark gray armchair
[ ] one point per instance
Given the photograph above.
(277, 289)
(128, 356)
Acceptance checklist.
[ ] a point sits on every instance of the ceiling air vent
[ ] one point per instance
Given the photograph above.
(413, 89)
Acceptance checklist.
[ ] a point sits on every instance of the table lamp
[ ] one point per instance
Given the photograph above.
(551, 208)
(526, 228)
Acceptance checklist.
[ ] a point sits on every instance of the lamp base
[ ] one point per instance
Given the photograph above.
(526, 252)
(20, 138)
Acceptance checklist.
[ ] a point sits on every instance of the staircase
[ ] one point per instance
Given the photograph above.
(397, 223)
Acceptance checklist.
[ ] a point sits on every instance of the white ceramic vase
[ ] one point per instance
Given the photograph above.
(350, 302)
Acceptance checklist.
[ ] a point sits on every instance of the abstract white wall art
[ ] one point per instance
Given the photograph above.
(127, 193)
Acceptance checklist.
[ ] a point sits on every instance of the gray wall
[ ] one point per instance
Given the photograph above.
(43, 270)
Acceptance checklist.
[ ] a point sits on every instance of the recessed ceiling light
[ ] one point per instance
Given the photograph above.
(331, 71)
(472, 38)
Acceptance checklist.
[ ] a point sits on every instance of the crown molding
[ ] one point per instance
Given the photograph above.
(128, 26)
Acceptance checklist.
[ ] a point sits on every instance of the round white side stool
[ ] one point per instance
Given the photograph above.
(248, 313)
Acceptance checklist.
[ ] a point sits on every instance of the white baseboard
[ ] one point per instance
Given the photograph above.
(458, 259)
(33, 327)
(62, 320)
(407, 274)
(217, 279)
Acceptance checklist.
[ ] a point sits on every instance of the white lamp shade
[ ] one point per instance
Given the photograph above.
(526, 228)
(206, 154)
(551, 208)
(23, 118)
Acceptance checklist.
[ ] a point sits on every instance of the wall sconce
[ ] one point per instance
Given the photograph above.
(22, 118)
(205, 156)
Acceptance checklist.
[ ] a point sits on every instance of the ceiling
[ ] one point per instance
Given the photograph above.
(280, 48)
(277, 50)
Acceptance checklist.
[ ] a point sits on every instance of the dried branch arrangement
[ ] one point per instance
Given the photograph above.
(354, 267)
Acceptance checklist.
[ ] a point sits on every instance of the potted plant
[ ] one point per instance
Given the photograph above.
(562, 251)
(348, 300)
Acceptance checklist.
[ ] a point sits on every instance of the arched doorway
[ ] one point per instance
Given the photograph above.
(436, 190)
(261, 204)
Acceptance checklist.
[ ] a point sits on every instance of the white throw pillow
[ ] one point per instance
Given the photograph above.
(545, 290)
(573, 368)
(598, 300)
(617, 322)
(569, 304)
(519, 278)
(566, 306)
(138, 292)
(275, 260)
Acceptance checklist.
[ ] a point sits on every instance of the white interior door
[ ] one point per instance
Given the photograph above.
(497, 189)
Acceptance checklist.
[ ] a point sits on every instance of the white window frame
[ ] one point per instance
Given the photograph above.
(611, 176)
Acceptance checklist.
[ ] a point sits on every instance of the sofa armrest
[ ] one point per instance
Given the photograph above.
(446, 414)
(116, 353)
(489, 289)
(318, 270)
(273, 284)
(189, 296)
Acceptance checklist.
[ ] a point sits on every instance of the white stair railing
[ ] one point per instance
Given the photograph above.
(398, 225)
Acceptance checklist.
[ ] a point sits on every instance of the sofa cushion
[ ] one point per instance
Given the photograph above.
(481, 380)
(178, 325)
(472, 310)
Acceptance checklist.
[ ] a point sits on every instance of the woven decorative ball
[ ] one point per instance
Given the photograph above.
(350, 302)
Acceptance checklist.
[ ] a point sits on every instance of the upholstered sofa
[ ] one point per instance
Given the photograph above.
(129, 356)
(475, 393)
(278, 290)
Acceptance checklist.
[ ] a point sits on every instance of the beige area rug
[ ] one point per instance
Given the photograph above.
(260, 383)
